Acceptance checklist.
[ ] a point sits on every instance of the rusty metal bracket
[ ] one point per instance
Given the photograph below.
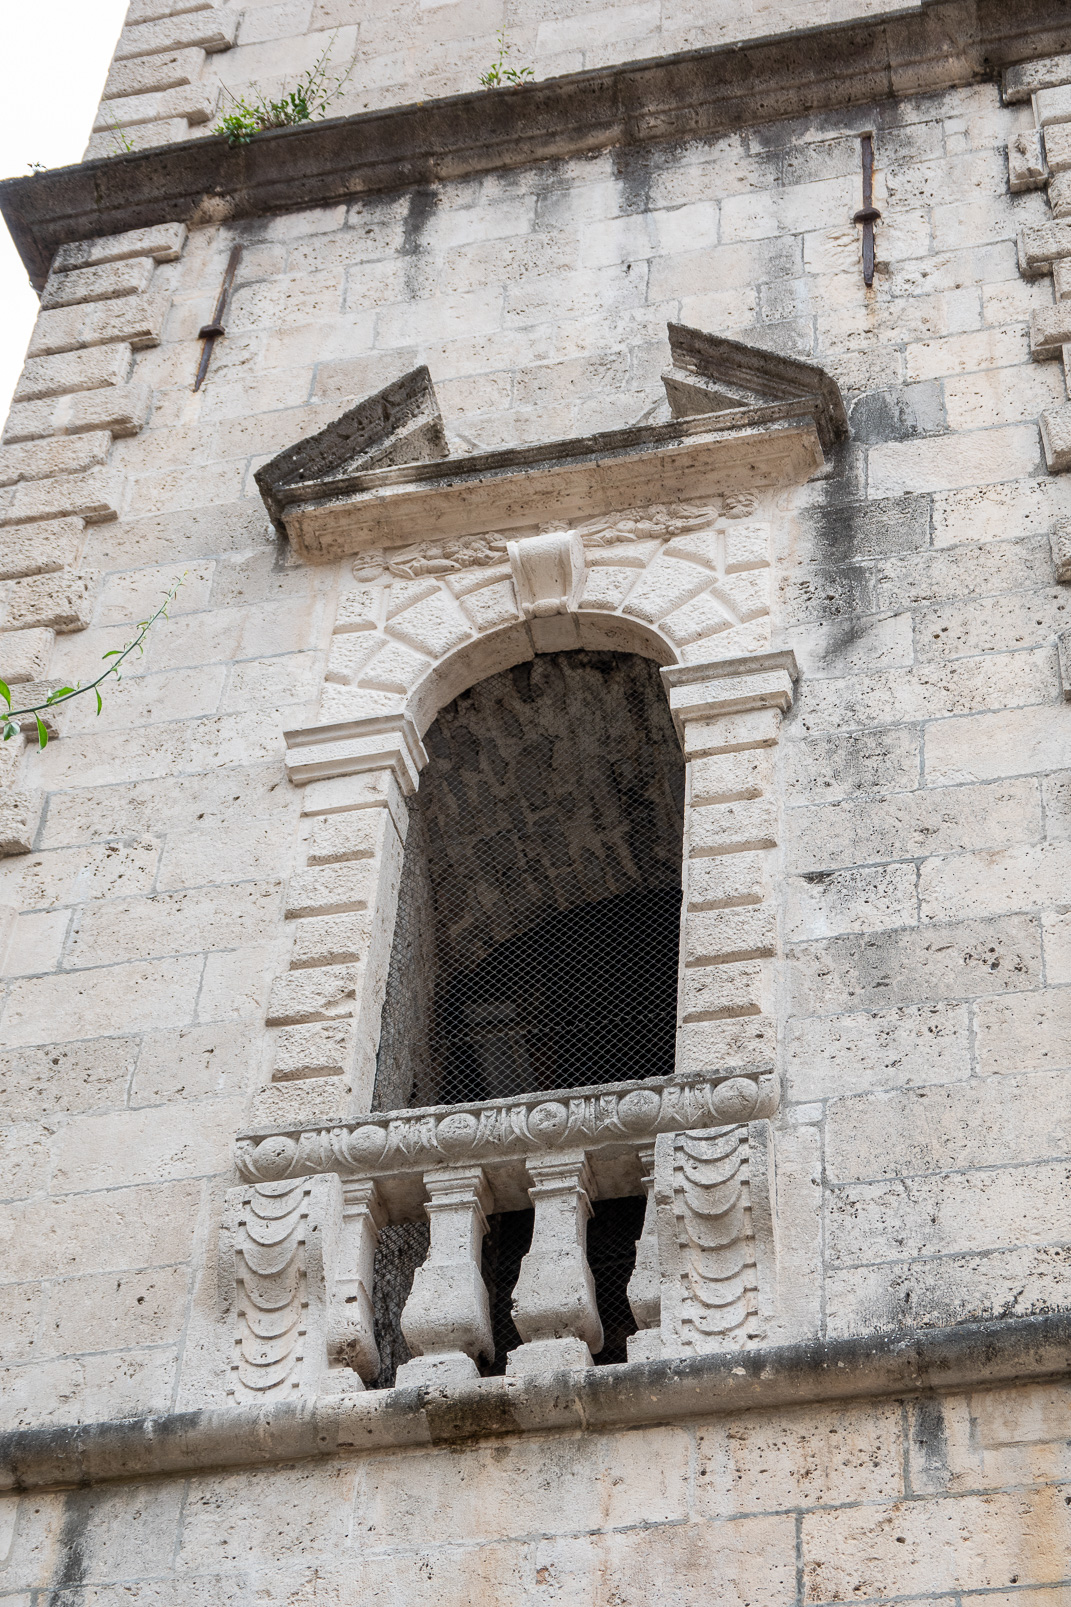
(868, 213)
(210, 333)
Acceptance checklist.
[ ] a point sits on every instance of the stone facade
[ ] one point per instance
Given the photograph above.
(600, 411)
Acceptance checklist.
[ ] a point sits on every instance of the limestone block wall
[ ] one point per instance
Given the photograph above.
(178, 62)
(923, 1141)
(947, 1498)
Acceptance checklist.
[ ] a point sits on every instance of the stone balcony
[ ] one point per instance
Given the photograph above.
(300, 1235)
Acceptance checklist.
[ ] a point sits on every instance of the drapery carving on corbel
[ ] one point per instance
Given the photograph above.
(295, 1286)
(704, 1278)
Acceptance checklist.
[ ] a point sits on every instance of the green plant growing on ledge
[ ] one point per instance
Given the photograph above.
(63, 694)
(123, 142)
(499, 74)
(309, 100)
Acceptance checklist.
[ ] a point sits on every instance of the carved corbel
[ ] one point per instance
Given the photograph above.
(351, 1340)
(714, 1293)
(277, 1248)
(295, 1285)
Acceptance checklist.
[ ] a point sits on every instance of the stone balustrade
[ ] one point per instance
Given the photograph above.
(686, 1143)
(446, 1320)
(554, 1305)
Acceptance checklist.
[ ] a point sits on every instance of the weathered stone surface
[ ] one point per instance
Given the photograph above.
(128, 277)
(196, 103)
(131, 320)
(20, 816)
(141, 75)
(40, 549)
(207, 28)
(872, 1014)
(119, 409)
(73, 371)
(1026, 78)
(162, 241)
(61, 601)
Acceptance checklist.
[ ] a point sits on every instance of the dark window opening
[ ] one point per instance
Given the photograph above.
(612, 1233)
(537, 934)
(613, 1228)
(587, 997)
(506, 1243)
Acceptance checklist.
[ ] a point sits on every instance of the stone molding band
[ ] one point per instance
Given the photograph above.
(500, 1129)
(688, 96)
(1008, 1352)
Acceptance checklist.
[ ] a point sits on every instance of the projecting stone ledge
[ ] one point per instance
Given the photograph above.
(399, 424)
(1023, 1350)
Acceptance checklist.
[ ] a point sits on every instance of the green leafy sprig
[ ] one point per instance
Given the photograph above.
(63, 694)
(500, 74)
(310, 99)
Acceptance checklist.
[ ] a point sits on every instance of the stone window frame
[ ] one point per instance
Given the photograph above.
(672, 578)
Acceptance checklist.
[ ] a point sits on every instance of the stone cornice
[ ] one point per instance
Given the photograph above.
(572, 479)
(695, 94)
(985, 1355)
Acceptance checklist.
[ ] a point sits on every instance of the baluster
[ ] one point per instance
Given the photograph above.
(351, 1341)
(554, 1299)
(446, 1320)
(645, 1285)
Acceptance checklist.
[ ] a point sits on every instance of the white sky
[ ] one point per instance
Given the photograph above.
(56, 60)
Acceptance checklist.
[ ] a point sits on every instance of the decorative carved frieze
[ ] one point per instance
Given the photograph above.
(422, 558)
(658, 521)
(500, 1129)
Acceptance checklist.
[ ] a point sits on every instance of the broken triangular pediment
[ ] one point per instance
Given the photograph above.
(399, 424)
(383, 469)
(711, 374)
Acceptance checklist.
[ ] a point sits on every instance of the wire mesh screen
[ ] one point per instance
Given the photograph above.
(506, 1243)
(613, 1229)
(612, 1233)
(402, 1247)
(538, 926)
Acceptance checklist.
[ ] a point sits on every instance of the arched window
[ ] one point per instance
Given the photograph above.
(537, 936)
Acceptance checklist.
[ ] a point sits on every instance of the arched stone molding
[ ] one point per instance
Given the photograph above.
(676, 583)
